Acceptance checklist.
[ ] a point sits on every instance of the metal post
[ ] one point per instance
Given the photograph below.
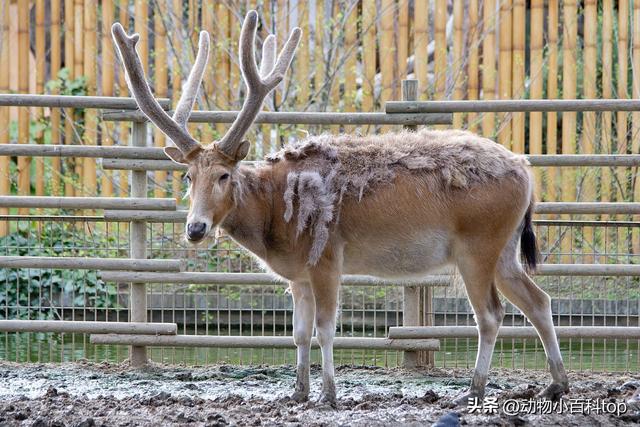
(138, 294)
(411, 294)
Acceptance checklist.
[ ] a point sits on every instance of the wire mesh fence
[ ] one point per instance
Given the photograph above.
(266, 310)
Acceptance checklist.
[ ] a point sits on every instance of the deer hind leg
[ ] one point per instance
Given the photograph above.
(478, 273)
(534, 303)
(304, 308)
(325, 283)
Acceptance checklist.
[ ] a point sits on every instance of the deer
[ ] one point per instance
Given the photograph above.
(391, 205)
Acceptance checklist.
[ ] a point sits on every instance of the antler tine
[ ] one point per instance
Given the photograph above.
(268, 56)
(258, 84)
(190, 91)
(126, 48)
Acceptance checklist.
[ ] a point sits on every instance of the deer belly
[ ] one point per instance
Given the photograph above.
(406, 257)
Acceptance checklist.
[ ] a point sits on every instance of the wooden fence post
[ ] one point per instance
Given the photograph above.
(138, 243)
(412, 303)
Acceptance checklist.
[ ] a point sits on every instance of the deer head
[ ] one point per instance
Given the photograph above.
(212, 170)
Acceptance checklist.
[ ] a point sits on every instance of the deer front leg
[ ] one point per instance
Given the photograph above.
(304, 308)
(325, 283)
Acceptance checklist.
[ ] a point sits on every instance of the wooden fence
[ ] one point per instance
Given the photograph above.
(353, 55)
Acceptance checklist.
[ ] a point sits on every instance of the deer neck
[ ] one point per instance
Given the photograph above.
(248, 222)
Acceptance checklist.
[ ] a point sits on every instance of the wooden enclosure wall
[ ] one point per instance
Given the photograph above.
(353, 56)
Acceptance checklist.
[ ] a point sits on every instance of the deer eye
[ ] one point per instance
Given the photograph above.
(224, 176)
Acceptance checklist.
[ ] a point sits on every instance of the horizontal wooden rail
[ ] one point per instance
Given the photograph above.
(575, 160)
(595, 332)
(511, 106)
(94, 151)
(177, 216)
(351, 343)
(79, 263)
(605, 160)
(142, 165)
(152, 158)
(607, 270)
(68, 101)
(88, 327)
(585, 208)
(588, 208)
(300, 118)
(257, 279)
(46, 202)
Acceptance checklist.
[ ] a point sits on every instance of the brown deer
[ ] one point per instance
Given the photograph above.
(395, 205)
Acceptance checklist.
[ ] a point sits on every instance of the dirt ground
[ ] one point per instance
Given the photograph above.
(87, 394)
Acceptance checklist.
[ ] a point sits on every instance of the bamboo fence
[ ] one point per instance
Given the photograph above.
(353, 56)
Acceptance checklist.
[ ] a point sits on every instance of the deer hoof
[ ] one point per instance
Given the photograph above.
(300, 396)
(328, 399)
(554, 391)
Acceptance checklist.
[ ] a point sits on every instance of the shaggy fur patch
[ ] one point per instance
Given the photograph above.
(328, 168)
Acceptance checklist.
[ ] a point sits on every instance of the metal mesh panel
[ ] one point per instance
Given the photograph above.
(267, 310)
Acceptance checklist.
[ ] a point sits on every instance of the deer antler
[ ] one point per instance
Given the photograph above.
(174, 127)
(258, 84)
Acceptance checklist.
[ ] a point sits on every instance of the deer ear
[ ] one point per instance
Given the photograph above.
(242, 151)
(175, 154)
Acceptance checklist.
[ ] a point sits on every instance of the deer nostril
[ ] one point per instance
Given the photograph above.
(196, 230)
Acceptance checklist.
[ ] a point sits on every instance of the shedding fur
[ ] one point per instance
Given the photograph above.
(328, 168)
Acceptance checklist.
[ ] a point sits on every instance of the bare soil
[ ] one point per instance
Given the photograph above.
(88, 394)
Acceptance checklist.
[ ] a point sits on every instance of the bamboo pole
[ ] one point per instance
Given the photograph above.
(56, 169)
(141, 21)
(403, 38)
(88, 327)
(108, 64)
(607, 90)
(40, 59)
(536, 77)
(518, 71)
(552, 92)
(24, 163)
(505, 69)
(420, 44)
(160, 58)
(90, 116)
(208, 83)
(124, 128)
(473, 66)
(488, 64)
(390, 52)
(350, 67)
(265, 130)
(176, 79)
(635, 116)
(440, 53)
(589, 118)
(622, 93)
(569, 70)
(369, 54)
(69, 167)
(5, 161)
(457, 68)
(338, 72)
(78, 71)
